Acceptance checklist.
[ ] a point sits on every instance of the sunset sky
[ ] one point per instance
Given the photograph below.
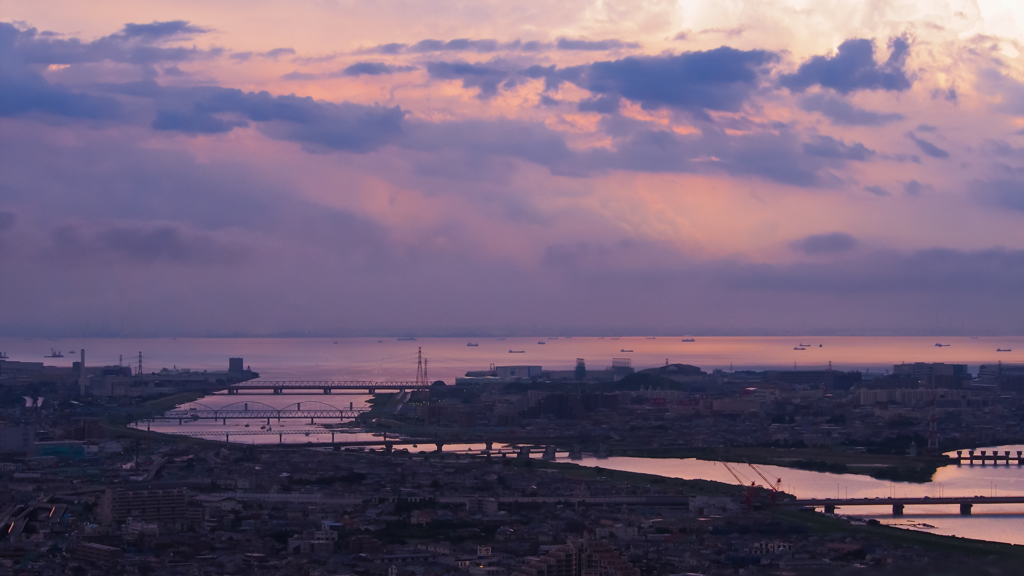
(322, 167)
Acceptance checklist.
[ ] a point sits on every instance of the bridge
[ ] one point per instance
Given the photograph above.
(984, 457)
(326, 386)
(259, 410)
(965, 503)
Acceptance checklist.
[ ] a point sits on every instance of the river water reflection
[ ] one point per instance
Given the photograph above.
(1000, 523)
(390, 359)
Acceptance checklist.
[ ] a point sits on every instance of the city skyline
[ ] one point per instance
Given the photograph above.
(177, 168)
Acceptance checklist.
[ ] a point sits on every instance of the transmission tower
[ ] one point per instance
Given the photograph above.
(421, 374)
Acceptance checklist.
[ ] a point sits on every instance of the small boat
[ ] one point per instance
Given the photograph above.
(819, 345)
(472, 344)
(616, 338)
(500, 339)
(804, 345)
(3, 356)
(624, 350)
(687, 340)
(517, 351)
(652, 338)
(937, 345)
(799, 348)
(541, 342)
(600, 338)
(997, 350)
(337, 341)
(407, 339)
(54, 354)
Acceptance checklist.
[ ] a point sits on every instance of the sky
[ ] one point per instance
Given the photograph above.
(353, 167)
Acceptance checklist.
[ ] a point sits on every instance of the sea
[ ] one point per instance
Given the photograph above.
(447, 358)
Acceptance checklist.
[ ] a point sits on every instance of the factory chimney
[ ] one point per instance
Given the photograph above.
(81, 375)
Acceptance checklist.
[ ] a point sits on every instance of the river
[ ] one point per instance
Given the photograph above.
(391, 359)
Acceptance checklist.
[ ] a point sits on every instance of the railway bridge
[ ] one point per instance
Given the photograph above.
(326, 386)
(257, 410)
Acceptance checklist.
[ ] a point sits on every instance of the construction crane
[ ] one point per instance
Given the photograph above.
(778, 482)
(734, 474)
(748, 496)
(776, 487)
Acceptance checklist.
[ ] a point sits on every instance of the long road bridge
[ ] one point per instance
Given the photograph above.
(965, 503)
(326, 386)
(258, 410)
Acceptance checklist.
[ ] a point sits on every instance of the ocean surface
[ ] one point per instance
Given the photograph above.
(391, 359)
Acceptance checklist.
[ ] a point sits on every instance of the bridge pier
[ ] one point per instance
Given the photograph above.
(965, 508)
(439, 447)
(387, 448)
(830, 509)
(179, 423)
(280, 438)
(371, 390)
(524, 452)
(970, 453)
(549, 452)
(227, 437)
(490, 446)
(224, 421)
(278, 390)
(897, 509)
(1018, 457)
(327, 390)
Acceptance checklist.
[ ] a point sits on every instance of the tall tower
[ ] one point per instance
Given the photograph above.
(421, 375)
(81, 375)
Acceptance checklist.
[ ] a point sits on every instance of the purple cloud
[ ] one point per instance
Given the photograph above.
(853, 68)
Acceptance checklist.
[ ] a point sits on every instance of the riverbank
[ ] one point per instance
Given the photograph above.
(119, 422)
(918, 469)
(814, 522)
(825, 524)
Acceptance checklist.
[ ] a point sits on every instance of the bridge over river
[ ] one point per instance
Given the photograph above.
(326, 386)
(965, 503)
(261, 411)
